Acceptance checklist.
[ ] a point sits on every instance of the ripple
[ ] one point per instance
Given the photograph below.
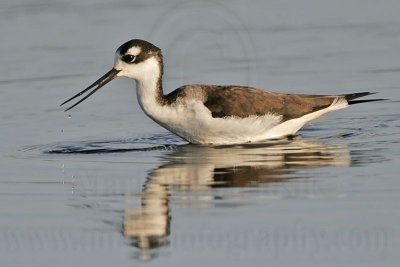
(40, 79)
(160, 142)
(385, 70)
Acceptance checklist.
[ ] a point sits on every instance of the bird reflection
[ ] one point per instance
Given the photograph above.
(192, 168)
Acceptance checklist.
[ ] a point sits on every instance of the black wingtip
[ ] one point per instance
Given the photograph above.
(350, 98)
(352, 102)
(357, 95)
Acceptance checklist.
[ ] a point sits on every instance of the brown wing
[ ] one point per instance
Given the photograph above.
(225, 101)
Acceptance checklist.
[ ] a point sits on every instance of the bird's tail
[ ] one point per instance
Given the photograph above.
(350, 98)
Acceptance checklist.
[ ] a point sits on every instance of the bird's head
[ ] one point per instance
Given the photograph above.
(135, 59)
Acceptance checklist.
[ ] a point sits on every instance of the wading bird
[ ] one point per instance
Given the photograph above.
(214, 114)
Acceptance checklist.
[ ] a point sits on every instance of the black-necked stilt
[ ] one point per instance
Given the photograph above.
(213, 114)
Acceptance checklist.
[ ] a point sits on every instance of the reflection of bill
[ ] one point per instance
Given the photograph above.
(201, 37)
(201, 167)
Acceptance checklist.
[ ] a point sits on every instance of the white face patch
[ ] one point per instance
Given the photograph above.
(134, 51)
(147, 69)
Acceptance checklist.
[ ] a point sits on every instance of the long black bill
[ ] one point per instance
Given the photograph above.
(109, 76)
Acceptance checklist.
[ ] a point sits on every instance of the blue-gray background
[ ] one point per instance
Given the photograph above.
(65, 210)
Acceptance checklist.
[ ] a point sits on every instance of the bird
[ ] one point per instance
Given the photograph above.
(214, 114)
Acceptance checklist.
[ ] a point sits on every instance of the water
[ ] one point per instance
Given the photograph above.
(103, 185)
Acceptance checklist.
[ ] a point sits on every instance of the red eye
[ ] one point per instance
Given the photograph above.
(129, 58)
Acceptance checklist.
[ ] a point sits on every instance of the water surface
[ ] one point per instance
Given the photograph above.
(103, 185)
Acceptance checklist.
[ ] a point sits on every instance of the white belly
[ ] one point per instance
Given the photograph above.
(195, 123)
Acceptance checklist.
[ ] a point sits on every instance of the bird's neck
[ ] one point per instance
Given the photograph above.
(150, 93)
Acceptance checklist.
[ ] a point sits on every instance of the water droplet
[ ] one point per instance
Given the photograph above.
(73, 184)
(69, 116)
